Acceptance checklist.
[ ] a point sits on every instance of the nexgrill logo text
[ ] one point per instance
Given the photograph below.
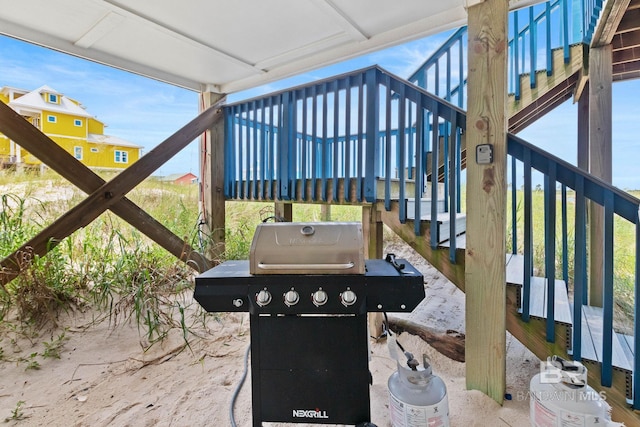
(309, 413)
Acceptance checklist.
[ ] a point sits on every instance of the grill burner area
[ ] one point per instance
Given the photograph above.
(308, 317)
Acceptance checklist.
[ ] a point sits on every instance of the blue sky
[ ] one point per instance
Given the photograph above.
(146, 112)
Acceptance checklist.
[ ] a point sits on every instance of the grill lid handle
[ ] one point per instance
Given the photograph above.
(344, 266)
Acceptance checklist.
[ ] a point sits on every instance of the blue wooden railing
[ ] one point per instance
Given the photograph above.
(365, 127)
(560, 179)
(370, 127)
(534, 33)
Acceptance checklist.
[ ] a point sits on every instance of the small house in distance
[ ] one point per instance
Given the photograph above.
(181, 178)
(66, 122)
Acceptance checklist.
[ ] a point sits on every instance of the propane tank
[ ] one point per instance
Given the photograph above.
(559, 397)
(417, 398)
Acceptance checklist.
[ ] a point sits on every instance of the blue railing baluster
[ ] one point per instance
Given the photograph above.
(336, 132)
(325, 155)
(262, 147)
(453, 187)
(241, 143)
(516, 56)
(359, 150)
(461, 68)
(565, 238)
(314, 149)
(401, 152)
(229, 134)
(435, 154)
(514, 206)
(607, 301)
(580, 266)
(445, 169)
(347, 139)
(284, 135)
(254, 155)
(636, 321)
(549, 53)
(528, 238)
(565, 31)
(389, 163)
(419, 168)
(304, 147)
(533, 49)
(372, 147)
(550, 248)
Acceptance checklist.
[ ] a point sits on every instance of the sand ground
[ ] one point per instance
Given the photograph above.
(105, 378)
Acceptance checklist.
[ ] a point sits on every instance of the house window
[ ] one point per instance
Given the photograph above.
(94, 150)
(77, 152)
(77, 122)
(53, 98)
(121, 156)
(52, 119)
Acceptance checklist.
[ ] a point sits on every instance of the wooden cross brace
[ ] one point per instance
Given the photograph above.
(102, 195)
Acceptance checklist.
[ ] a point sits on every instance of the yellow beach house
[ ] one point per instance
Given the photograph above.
(66, 122)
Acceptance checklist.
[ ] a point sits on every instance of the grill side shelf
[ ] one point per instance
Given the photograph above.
(393, 291)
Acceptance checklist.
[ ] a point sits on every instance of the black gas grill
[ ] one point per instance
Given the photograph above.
(308, 290)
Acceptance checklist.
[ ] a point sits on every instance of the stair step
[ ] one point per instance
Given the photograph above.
(539, 297)
(425, 208)
(515, 269)
(592, 341)
(627, 343)
(461, 242)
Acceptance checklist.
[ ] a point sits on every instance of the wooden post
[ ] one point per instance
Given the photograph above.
(283, 211)
(212, 182)
(485, 274)
(583, 129)
(372, 228)
(600, 158)
(372, 231)
(325, 213)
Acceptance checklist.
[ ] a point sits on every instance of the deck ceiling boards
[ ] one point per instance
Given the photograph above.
(226, 46)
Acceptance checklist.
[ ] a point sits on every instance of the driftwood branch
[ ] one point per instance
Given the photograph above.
(449, 343)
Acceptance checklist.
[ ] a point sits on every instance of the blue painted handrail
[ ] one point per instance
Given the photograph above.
(585, 188)
(534, 33)
(364, 127)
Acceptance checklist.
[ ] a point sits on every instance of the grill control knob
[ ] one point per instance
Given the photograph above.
(291, 298)
(319, 297)
(263, 298)
(348, 297)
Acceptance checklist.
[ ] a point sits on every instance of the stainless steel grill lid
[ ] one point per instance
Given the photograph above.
(307, 248)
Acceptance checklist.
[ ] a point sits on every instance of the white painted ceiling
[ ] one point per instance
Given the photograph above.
(226, 45)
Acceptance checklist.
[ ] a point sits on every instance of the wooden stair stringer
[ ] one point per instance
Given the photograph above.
(550, 90)
(531, 334)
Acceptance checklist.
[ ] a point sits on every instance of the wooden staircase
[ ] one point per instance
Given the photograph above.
(533, 333)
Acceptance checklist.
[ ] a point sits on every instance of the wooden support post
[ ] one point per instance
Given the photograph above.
(485, 274)
(600, 159)
(372, 227)
(583, 129)
(212, 182)
(283, 211)
(325, 213)
(372, 231)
